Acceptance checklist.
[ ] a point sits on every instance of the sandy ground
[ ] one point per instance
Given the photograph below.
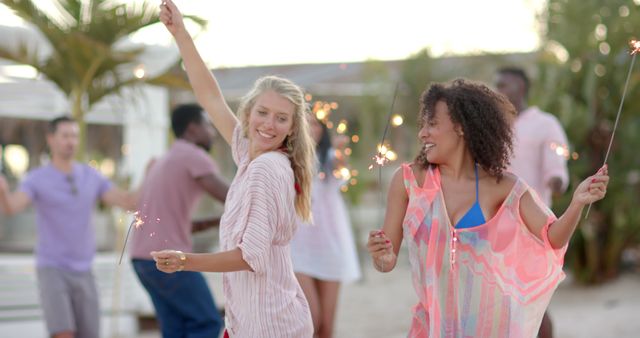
(377, 306)
(380, 306)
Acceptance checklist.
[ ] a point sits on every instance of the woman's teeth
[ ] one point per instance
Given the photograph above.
(265, 135)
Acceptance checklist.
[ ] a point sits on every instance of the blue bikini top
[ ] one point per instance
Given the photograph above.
(474, 216)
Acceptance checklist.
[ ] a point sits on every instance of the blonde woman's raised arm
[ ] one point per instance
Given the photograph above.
(204, 84)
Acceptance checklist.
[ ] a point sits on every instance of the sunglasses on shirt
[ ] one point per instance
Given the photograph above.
(72, 183)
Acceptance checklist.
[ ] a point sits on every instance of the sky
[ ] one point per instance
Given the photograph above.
(261, 32)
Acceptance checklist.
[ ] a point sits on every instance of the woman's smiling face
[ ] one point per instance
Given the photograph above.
(270, 122)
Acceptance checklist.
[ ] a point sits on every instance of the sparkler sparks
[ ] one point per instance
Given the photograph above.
(381, 157)
(635, 47)
(384, 155)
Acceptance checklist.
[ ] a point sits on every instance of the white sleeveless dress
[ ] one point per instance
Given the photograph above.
(326, 250)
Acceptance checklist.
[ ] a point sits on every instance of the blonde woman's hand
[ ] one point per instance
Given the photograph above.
(168, 261)
(593, 189)
(171, 17)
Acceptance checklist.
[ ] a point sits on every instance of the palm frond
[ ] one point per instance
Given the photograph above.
(169, 79)
(82, 34)
(23, 53)
(53, 29)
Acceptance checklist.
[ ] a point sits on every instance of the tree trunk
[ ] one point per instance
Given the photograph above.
(77, 112)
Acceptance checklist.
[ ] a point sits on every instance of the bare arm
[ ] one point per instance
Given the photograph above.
(384, 245)
(214, 186)
(121, 198)
(227, 261)
(127, 200)
(204, 224)
(590, 190)
(204, 84)
(12, 203)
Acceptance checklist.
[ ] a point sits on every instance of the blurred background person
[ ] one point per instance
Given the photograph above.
(539, 148)
(183, 302)
(64, 194)
(323, 252)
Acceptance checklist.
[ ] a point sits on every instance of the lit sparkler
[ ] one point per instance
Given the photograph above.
(384, 154)
(635, 49)
(380, 158)
(137, 221)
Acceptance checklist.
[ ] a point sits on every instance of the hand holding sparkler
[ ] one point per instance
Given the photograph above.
(381, 250)
(592, 189)
(169, 261)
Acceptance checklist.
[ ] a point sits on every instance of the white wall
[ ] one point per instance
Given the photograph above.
(145, 117)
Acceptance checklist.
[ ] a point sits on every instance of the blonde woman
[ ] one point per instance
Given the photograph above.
(273, 150)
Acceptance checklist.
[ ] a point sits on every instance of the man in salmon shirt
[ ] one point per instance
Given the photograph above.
(540, 148)
(183, 302)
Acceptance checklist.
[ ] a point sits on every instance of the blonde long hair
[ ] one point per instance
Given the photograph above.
(300, 146)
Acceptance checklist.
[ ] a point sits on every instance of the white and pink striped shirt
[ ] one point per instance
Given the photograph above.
(260, 219)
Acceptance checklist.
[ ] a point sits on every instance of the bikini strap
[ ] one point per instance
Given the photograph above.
(477, 183)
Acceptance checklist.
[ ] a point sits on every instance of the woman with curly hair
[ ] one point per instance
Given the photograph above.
(486, 255)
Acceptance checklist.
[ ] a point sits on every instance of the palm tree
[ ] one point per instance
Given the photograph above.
(85, 61)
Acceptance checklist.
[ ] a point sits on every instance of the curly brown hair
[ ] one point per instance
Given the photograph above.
(482, 115)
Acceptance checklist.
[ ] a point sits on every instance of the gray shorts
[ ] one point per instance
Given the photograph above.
(69, 301)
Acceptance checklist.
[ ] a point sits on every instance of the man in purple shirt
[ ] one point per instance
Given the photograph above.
(539, 150)
(183, 303)
(64, 194)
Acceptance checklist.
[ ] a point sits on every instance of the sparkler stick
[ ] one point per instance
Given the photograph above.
(137, 221)
(635, 49)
